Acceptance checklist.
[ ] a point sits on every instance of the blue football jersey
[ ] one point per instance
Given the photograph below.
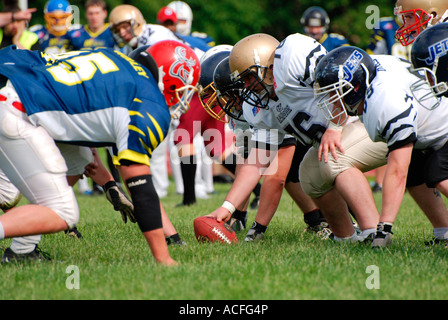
(382, 38)
(50, 43)
(84, 38)
(194, 42)
(97, 97)
(332, 41)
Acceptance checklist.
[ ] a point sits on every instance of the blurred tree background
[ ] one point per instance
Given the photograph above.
(227, 21)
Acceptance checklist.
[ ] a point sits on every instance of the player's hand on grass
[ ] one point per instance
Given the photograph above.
(120, 201)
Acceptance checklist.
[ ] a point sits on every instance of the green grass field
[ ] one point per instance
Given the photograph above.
(114, 262)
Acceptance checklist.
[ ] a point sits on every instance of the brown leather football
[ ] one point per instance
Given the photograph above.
(209, 229)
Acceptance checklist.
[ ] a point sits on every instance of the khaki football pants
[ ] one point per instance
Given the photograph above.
(317, 177)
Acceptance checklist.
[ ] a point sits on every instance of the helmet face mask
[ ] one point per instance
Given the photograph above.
(251, 62)
(256, 92)
(228, 91)
(413, 23)
(343, 77)
(207, 89)
(331, 101)
(417, 15)
(431, 90)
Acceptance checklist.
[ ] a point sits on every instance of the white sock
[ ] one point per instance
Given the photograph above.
(352, 238)
(2, 232)
(440, 233)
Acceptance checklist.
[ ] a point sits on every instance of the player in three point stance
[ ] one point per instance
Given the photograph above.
(88, 98)
(283, 74)
(397, 109)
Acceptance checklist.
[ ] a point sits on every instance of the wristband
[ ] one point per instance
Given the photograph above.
(335, 127)
(230, 207)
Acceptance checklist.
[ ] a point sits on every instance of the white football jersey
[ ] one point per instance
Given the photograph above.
(152, 33)
(262, 124)
(392, 113)
(295, 60)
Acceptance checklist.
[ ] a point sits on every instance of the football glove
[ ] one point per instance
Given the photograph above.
(120, 201)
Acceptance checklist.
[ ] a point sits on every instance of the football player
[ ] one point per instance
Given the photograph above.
(377, 88)
(197, 121)
(416, 15)
(96, 33)
(281, 149)
(291, 63)
(429, 54)
(184, 24)
(131, 30)
(88, 98)
(54, 37)
(167, 18)
(316, 23)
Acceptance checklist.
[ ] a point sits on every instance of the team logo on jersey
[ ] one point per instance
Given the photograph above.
(351, 65)
(255, 110)
(437, 50)
(182, 68)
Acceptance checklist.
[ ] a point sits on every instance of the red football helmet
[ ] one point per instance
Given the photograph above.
(179, 71)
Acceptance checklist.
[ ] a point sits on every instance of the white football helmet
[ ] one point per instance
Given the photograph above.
(213, 50)
(184, 16)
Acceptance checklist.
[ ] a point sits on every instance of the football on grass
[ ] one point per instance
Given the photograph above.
(210, 229)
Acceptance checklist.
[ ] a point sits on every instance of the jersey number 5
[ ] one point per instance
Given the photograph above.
(73, 71)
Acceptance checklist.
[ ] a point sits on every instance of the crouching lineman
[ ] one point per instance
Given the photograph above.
(400, 113)
(105, 99)
(269, 152)
(255, 61)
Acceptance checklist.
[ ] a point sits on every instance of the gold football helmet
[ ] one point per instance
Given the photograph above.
(416, 15)
(251, 61)
(129, 14)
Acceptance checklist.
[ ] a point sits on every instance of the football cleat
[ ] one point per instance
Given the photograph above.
(35, 255)
(175, 240)
(238, 220)
(255, 234)
(315, 222)
(435, 242)
(383, 237)
(369, 239)
(74, 232)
